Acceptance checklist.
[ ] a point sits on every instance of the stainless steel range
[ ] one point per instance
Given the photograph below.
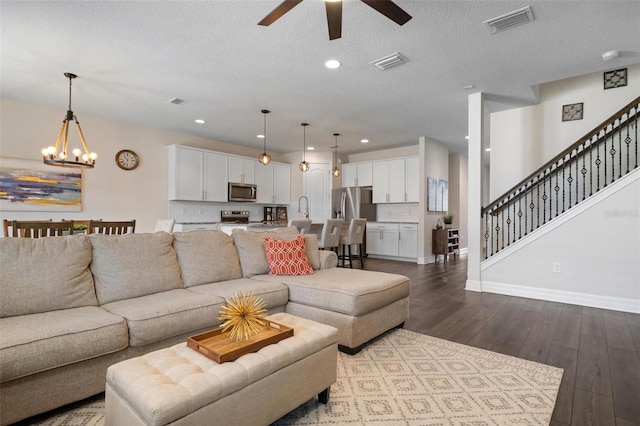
(234, 216)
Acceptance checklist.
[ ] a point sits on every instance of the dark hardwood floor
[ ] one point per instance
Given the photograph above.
(598, 349)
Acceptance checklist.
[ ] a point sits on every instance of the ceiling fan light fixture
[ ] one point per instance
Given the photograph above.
(264, 158)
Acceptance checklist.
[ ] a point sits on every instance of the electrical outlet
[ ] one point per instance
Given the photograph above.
(557, 267)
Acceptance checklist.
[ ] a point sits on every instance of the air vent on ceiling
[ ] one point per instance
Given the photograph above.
(389, 61)
(177, 101)
(508, 20)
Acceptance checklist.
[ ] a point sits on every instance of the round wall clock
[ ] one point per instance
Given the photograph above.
(127, 159)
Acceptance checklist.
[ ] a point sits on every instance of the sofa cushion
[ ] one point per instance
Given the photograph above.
(45, 274)
(287, 257)
(206, 257)
(348, 291)
(310, 241)
(133, 265)
(252, 254)
(159, 316)
(274, 294)
(43, 341)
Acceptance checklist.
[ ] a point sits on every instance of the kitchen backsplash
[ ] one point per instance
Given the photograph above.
(402, 212)
(196, 211)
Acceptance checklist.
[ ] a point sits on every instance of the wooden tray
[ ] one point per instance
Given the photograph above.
(220, 348)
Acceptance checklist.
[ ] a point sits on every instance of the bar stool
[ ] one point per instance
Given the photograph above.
(303, 225)
(330, 237)
(354, 237)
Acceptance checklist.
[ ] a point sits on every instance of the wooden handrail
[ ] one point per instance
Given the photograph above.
(595, 131)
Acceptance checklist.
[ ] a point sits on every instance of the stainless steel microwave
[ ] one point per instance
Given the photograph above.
(245, 192)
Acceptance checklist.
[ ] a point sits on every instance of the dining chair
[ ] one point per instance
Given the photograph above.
(8, 230)
(330, 236)
(112, 227)
(40, 228)
(165, 225)
(354, 237)
(303, 225)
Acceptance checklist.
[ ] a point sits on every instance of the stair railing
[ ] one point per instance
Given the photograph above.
(595, 161)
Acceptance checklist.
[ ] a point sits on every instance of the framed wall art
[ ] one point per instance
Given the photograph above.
(572, 112)
(613, 79)
(437, 195)
(28, 185)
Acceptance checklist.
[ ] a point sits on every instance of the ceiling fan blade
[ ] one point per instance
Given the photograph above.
(390, 10)
(334, 18)
(277, 13)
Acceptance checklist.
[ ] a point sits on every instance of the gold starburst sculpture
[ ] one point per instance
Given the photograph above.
(242, 315)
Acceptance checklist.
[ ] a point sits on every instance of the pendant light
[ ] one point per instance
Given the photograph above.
(304, 164)
(59, 156)
(336, 169)
(265, 158)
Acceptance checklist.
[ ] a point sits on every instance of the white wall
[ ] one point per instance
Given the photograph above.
(108, 192)
(458, 183)
(523, 139)
(597, 246)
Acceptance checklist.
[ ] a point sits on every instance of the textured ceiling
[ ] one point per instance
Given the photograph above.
(133, 56)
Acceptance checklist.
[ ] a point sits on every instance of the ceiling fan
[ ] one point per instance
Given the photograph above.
(334, 13)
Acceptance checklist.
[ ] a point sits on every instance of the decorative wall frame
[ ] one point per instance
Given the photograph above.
(613, 79)
(437, 195)
(29, 185)
(572, 112)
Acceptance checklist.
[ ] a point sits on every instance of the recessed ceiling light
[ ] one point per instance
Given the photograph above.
(310, 148)
(466, 137)
(200, 121)
(469, 87)
(260, 136)
(332, 64)
(487, 149)
(364, 140)
(611, 54)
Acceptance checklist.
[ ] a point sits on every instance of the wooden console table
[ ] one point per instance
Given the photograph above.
(445, 242)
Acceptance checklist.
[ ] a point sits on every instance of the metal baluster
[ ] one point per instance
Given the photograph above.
(569, 179)
(514, 220)
(627, 141)
(604, 154)
(584, 173)
(544, 197)
(492, 234)
(591, 166)
(538, 201)
(557, 189)
(508, 226)
(550, 193)
(519, 217)
(598, 162)
(498, 228)
(636, 126)
(619, 153)
(525, 212)
(563, 191)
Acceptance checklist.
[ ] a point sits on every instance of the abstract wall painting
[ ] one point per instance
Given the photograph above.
(437, 195)
(27, 185)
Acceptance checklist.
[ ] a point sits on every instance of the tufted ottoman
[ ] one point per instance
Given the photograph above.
(180, 386)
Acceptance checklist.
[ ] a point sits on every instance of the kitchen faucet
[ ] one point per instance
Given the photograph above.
(306, 207)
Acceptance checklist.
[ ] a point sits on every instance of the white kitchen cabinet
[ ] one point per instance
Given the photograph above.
(180, 227)
(382, 238)
(408, 240)
(390, 181)
(274, 183)
(412, 179)
(357, 174)
(242, 170)
(197, 175)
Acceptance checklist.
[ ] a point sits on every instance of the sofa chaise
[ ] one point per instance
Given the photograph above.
(72, 306)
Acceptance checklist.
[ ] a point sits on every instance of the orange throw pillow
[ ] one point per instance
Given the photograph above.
(287, 257)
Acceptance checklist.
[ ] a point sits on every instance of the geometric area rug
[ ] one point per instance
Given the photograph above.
(406, 378)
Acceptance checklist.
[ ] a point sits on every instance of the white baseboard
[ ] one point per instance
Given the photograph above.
(592, 300)
(473, 285)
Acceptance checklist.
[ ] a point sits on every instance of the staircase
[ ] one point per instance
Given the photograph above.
(595, 161)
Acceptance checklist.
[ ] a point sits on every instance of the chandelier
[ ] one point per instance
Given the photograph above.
(265, 158)
(58, 155)
(304, 164)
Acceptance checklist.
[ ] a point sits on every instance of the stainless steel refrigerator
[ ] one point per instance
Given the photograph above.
(352, 203)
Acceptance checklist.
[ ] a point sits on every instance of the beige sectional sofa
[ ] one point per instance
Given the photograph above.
(72, 306)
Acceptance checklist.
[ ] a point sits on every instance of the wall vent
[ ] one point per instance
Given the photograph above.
(508, 20)
(177, 101)
(389, 61)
